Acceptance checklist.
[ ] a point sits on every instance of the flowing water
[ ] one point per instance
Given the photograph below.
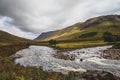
(41, 56)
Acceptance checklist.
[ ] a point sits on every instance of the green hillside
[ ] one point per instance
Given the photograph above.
(112, 27)
(91, 29)
(6, 38)
(59, 33)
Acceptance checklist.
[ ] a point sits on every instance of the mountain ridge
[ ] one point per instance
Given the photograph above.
(107, 23)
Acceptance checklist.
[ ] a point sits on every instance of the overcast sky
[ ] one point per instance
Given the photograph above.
(29, 18)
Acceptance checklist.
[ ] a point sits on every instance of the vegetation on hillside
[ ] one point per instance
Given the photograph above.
(109, 37)
(53, 42)
(80, 44)
(92, 29)
(6, 38)
(91, 34)
(116, 46)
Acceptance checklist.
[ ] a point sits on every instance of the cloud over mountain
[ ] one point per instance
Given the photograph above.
(28, 18)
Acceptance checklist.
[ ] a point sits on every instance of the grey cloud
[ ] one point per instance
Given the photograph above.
(38, 16)
(14, 10)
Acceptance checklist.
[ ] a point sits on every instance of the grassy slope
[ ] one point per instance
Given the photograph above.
(63, 32)
(71, 38)
(113, 27)
(6, 38)
(101, 24)
(77, 45)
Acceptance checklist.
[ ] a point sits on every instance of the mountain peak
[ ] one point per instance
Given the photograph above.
(101, 19)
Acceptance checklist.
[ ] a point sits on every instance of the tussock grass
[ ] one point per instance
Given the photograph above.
(82, 44)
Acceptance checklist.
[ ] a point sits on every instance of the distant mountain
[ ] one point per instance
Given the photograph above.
(91, 29)
(58, 33)
(6, 38)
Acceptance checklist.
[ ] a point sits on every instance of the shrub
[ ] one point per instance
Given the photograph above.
(108, 37)
(91, 34)
(116, 46)
(118, 37)
(53, 42)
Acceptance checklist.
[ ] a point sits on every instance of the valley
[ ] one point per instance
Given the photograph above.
(75, 52)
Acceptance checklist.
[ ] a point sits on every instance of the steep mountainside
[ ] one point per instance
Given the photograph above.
(6, 38)
(91, 29)
(58, 33)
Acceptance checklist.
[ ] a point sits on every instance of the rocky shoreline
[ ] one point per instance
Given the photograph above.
(113, 54)
(65, 62)
(95, 75)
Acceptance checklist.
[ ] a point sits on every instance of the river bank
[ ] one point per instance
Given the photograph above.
(113, 54)
(41, 56)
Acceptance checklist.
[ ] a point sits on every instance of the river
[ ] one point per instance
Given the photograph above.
(42, 56)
